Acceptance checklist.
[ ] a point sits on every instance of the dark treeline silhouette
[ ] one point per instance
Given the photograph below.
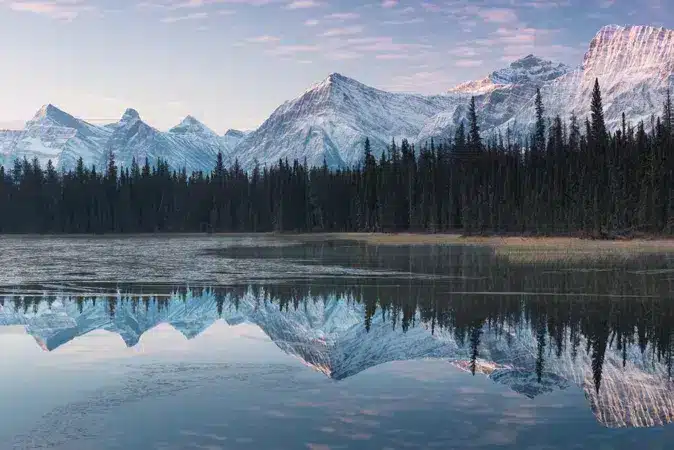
(565, 308)
(565, 177)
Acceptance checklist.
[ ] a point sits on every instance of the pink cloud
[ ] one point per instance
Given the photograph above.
(263, 39)
(432, 7)
(57, 9)
(468, 63)
(193, 16)
(498, 15)
(303, 4)
(287, 50)
(343, 16)
(345, 31)
(392, 56)
(389, 3)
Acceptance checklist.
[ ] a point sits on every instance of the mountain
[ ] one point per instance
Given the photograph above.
(331, 120)
(634, 66)
(329, 335)
(528, 70)
(56, 135)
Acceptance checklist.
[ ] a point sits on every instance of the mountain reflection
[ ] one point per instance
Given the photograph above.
(536, 329)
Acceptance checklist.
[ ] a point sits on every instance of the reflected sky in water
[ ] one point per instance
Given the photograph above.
(384, 348)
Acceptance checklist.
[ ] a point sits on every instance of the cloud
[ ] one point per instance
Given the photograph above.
(311, 22)
(429, 81)
(392, 56)
(606, 3)
(463, 51)
(192, 16)
(498, 15)
(432, 7)
(389, 3)
(263, 39)
(66, 10)
(345, 31)
(382, 44)
(182, 4)
(468, 62)
(403, 21)
(288, 50)
(343, 16)
(303, 4)
(343, 55)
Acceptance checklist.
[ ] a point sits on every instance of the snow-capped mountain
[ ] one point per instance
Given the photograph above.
(56, 135)
(330, 120)
(635, 67)
(530, 69)
(330, 336)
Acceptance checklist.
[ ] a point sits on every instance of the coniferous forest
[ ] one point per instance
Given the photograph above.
(567, 176)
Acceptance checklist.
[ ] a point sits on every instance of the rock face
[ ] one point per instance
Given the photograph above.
(329, 335)
(634, 66)
(330, 121)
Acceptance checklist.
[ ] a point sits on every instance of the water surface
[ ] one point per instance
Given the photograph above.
(269, 343)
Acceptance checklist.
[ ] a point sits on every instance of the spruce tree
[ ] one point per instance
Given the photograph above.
(539, 135)
(474, 139)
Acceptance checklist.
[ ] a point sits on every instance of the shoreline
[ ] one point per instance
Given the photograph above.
(523, 241)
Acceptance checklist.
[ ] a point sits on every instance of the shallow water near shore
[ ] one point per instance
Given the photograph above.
(265, 342)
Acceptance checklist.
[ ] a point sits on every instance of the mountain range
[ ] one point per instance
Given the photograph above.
(330, 120)
(329, 335)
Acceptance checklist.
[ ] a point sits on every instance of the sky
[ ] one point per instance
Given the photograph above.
(230, 63)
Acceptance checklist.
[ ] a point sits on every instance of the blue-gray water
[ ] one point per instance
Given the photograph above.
(261, 343)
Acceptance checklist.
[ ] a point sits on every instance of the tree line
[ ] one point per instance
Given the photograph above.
(564, 177)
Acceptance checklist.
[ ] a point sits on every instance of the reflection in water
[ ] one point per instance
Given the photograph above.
(618, 349)
(603, 325)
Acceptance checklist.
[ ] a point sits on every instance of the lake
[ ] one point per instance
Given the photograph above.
(261, 342)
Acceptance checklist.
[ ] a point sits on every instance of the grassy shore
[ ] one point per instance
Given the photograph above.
(540, 243)
(515, 248)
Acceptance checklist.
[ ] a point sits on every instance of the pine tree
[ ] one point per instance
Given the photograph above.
(539, 136)
(474, 139)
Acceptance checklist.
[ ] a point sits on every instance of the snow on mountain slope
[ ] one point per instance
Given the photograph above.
(56, 135)
(190, 144)
(528, 70)
(634, 65)
(331, 121)
(329, 335)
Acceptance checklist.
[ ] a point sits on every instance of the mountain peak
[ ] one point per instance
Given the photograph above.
(529, 69)
(191, 124)
(130, 115)
(336, 77)
(47, 111)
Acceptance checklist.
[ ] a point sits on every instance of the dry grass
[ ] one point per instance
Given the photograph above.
(521, 249)
(511, 242)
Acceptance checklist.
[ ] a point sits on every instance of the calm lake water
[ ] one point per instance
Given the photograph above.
(269, 343)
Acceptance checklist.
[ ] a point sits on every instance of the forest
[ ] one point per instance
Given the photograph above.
(565, 177)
